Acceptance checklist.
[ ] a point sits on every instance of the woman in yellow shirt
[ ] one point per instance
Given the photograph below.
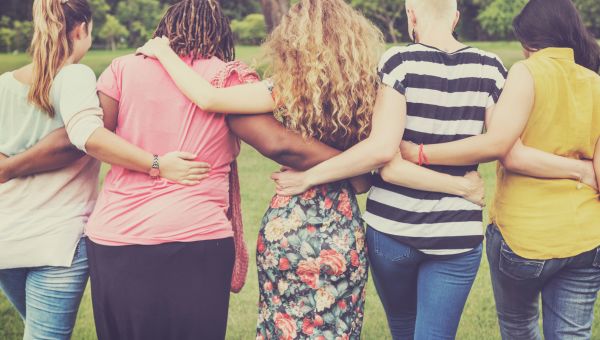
(545, 233)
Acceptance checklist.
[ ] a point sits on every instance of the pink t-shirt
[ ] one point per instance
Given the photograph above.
(154, 115)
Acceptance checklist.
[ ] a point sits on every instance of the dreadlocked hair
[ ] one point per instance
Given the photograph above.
(198, 29)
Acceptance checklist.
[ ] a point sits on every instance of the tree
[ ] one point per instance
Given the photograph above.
(100, 10)
(389, 15)
(496, 19)
(6, 38)
(112, 31)
(273, 11)
(251, 30)
(140, 17)
(590, 12)
(23, 35)
(239, 9)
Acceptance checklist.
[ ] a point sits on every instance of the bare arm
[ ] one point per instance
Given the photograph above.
(507, 125)
(407, 174)
(264, 133)
(597, 161)
(249, 98)
(53, 152)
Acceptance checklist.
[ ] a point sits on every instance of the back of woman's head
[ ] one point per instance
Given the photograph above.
(324, 57)
(52, 43)
(198, 29)
(557, 23)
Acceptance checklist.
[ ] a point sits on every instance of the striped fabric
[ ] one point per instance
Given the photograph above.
(447, 97)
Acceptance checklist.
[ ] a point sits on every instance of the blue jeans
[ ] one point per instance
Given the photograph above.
(568, 288)
(47, 297)
(423, 295)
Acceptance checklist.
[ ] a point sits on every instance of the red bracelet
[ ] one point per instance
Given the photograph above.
(422, 157)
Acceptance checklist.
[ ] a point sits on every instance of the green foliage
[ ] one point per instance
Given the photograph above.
(141, 17)
(590, 11)
(6, 39)
(15, 35)
(112, 31)
(100, 9)
(388, 15)
(496, 19)
(239, 9)
(251, 30)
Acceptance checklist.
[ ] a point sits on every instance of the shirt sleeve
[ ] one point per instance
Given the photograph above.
(75, 99)
(498, 75)
(392, 71)
(109, 82)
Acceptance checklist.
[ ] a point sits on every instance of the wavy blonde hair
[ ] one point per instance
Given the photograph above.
(323, 61)
(51, 46)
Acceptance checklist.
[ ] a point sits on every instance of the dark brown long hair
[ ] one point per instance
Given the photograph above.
(51, 46)
(557, 23)
(198, 29)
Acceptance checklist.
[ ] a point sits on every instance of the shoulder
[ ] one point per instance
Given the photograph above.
(75, 73)
(234, 73)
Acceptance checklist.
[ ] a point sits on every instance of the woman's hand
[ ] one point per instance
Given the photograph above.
(180, 167)
(475, 188)
(409, 151)
(290, 182)
(588, 175)
(153, 47)
(5, 175)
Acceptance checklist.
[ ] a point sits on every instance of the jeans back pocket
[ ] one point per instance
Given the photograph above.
(517, 267)
(392, 250)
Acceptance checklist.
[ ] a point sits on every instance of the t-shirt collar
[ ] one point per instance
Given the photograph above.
(556, 53)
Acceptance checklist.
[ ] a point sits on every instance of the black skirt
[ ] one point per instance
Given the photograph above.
(169, 291)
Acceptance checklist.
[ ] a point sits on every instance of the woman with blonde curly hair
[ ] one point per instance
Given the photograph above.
(311, 256)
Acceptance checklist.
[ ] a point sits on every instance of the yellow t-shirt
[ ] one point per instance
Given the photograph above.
(549, 218)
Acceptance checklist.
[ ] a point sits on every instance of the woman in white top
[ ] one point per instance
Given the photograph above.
(43, 262)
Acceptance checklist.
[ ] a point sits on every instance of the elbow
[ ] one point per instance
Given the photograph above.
(386, 173)
(204, 102)
(383, 153)
(274, 149)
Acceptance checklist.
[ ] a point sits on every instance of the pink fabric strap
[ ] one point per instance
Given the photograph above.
(240, 267)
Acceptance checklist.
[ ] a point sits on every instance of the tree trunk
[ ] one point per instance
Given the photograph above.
(273, 11)
(392, 31)
(113, 44)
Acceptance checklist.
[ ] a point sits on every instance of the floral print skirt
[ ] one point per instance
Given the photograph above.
(312, 266)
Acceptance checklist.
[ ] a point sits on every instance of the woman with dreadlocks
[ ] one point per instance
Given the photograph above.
(162, 256)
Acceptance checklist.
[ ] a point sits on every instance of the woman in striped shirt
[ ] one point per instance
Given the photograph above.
(425, 240)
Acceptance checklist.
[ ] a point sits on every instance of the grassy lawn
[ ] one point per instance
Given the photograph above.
(479, 319)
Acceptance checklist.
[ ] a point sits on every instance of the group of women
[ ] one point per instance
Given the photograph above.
(163, 242)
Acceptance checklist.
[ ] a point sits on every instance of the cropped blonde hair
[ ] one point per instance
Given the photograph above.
(434, 11)
(323, 62)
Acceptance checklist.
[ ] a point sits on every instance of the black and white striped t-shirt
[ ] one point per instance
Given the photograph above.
(447, 96)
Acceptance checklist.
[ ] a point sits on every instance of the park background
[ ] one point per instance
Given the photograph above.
(122, 25)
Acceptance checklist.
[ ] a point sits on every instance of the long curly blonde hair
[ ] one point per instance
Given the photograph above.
(323, 62)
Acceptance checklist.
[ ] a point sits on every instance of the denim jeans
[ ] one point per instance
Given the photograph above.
(568, 288)
(47, 297)
(423, 295)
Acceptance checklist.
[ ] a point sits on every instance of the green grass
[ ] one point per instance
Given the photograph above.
(479, 318)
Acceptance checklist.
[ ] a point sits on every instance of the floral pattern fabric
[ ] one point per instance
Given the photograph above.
(312, 266)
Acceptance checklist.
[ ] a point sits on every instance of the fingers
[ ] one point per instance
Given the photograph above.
(199, 171)
(189, 182)
(186, 155)
(195, 178)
